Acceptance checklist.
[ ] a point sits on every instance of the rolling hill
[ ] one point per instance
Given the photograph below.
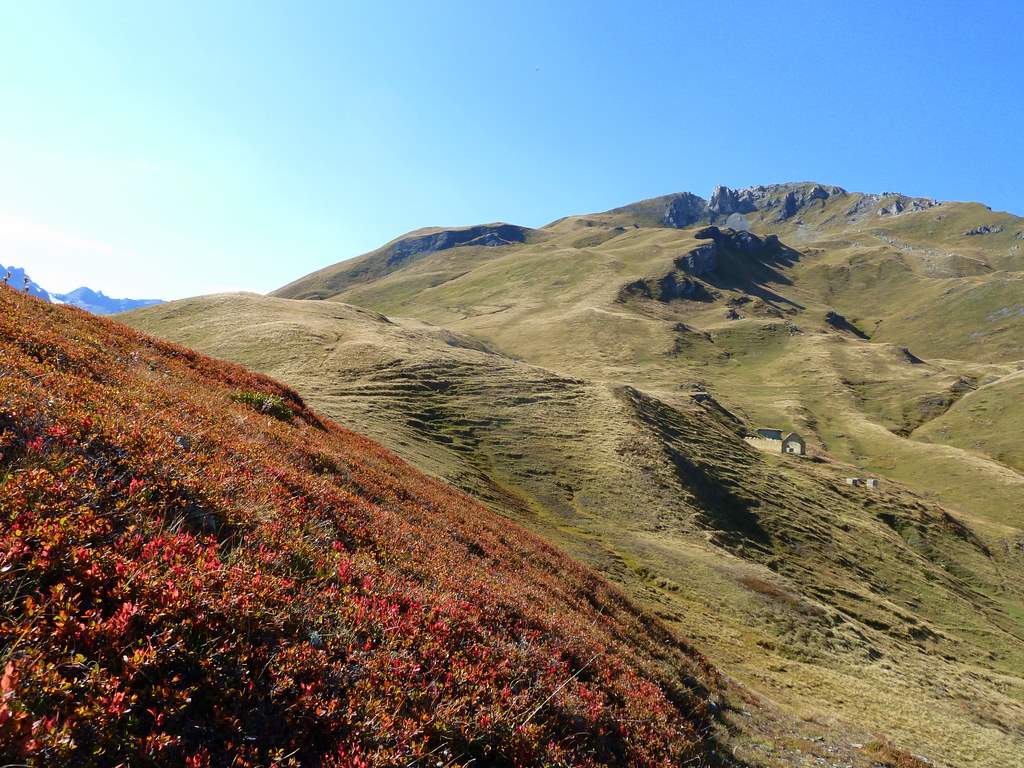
(593, 380)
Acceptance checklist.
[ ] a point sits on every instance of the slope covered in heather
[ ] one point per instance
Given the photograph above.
(197, 569)
(845, 607)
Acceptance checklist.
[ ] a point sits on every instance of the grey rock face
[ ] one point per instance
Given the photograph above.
(684, 210)
(486, 235)
(725, 201)
(671, 286)
(795, 200)
(891, 210)
(699, 261)
(704, 258)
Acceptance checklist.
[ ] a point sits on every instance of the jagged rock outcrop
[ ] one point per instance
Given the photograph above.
(667, 288)
(725, 201)
(700, 261)
(904, 204)
(984, 229)
(795, 200)
(888, 204)
(685, 210)
(777, 203)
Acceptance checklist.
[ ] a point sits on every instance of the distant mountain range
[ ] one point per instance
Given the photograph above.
(96, 302)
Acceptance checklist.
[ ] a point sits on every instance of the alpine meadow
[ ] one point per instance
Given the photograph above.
(593, 380)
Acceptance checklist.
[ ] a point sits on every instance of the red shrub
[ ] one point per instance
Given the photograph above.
(184, 580)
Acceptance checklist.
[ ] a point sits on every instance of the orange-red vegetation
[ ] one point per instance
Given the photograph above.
(186, 579)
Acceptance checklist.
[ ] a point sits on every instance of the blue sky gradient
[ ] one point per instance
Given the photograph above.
(171, 149)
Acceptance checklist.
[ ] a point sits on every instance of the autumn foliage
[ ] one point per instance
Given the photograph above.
(188, 580)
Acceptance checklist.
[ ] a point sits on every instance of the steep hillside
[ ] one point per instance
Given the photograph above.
(866, 610)
(199, 570)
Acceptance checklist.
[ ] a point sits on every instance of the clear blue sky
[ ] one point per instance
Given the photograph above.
(169, 149)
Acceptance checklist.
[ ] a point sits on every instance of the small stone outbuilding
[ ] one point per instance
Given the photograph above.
(793, 443)
(777, 441)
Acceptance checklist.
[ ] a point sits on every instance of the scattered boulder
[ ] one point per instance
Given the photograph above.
(891, 210)
(985, 229)
(902, 203)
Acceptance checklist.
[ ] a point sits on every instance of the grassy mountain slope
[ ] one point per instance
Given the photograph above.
(401, 252)
(844, 606)
(903, 272)
(197, 569)
(988, 420)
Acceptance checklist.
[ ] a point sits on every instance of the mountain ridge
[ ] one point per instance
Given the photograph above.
(773, 204)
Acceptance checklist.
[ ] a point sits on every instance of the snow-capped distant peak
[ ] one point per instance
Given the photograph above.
(84, 298)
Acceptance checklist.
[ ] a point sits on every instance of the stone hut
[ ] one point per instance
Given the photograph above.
(777, 441)
(793, 443)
